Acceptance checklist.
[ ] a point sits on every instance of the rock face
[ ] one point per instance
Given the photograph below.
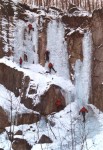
(45, 139)
(27, 118)
(48, 100)
(1, 38)
(12, 79)
(28, 102)
(42, 43)
(8, 75)
(20, 144)
(97, 66)
(75, 50)
(4, 122)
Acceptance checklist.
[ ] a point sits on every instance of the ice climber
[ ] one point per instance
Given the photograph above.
(59, 105)
(50, 66)
(25, 57)
(47, 53)
(20, 61)
(83, 110)
(30, 28)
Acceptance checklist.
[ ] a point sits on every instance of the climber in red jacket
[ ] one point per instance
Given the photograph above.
(30, 28)
(59, 105)
(83, 110)
(47, 53)
(20, 61)
(50, 66)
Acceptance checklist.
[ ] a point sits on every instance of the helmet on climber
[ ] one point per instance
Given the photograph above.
(50, 65)
(30, 27)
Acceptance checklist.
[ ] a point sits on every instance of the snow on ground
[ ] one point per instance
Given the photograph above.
(68, 126)
(40, 79)
(8, 100)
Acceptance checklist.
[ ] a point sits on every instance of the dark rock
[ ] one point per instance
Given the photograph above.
(2, 130)
(48, 100)
(7, 8)
(28, 102)
(22, 16)
(4, 122)
(25, 84)
(20, 144)
(14, 80)
(45, 139)
(8, 75)
(75, 21)
(34, 10)
(24, 6)
(32, 91)
(42, 42)
(19, 132)
(27, 118)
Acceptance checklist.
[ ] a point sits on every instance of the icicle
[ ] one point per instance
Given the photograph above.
(58, 48)
(82, 72)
